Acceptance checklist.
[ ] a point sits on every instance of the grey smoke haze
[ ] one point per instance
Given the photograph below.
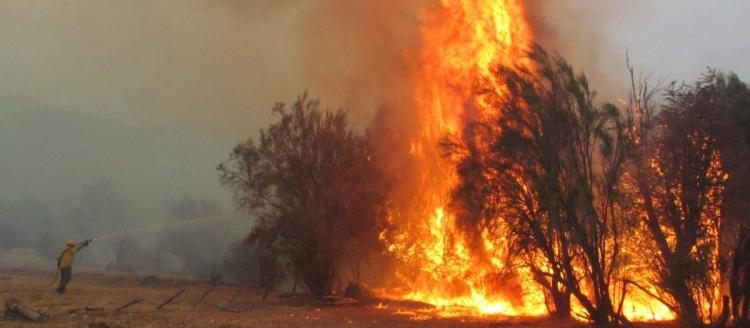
(667, 39)
(150, 95)
(215, 67)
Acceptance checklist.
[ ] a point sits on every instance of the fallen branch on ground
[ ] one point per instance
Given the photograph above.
(338, 300)
(85, 309)
(204, 295)
(131, 303)
(170, 300)
(14, 309)
(227, 309)
(236, 293)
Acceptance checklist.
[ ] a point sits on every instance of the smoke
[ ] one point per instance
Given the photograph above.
(666, 40)
(577, 31)
(213, 66)
(146, 96)
(218, 66)
(151, 95)
(359, 51)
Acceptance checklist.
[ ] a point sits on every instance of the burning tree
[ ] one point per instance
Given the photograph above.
(680, 176)
(546, 169)
(313, 186)
(739, 275)
(732, 102)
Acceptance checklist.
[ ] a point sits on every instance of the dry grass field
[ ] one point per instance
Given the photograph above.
(102, 293)
(93, 297)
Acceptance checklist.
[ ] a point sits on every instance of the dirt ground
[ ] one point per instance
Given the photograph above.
(94, 296)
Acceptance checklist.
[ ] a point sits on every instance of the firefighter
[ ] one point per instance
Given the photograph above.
(65, 262)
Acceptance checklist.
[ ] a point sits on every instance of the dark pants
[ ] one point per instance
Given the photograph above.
(65, 274)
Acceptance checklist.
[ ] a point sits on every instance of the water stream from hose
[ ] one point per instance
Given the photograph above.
(164, 226)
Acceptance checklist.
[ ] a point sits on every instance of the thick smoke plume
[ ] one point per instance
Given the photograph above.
(149, 96)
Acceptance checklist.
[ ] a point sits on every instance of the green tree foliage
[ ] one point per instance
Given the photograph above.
(312, 184)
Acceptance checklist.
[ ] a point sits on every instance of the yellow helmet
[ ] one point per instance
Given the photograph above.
(70, 242)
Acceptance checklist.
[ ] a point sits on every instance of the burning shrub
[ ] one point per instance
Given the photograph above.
(680, 178)
(313, 186)
(544, 171)
(739, 276)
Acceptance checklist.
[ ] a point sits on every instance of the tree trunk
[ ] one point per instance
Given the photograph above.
(294, 286)
(688, 309)
(724, 316)
(561, 299)
(601, 318)
(562, 304)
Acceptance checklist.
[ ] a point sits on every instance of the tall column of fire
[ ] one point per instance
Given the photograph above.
(462, 40)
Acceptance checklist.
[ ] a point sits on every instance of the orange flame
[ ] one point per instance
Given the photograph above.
(462, 40)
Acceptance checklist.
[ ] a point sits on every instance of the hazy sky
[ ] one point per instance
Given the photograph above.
(679, 38)
(152, 95)
(137, 101)
(667, 39)
(186, 63)
(217, 66)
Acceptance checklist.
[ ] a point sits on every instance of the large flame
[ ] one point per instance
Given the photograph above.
(462, 40)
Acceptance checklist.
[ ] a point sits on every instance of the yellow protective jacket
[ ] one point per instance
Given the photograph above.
(65, 260)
